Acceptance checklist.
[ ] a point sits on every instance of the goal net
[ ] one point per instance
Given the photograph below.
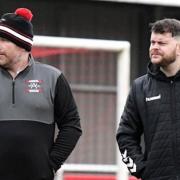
(98, 72)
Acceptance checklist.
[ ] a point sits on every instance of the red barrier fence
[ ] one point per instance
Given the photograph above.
(72, 176)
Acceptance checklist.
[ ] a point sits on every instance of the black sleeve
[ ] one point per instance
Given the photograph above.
(68, 122)
(129, 136)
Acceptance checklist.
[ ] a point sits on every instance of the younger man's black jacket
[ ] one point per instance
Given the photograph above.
(152, 108)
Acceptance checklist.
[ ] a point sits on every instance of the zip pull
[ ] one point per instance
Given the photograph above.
(13, 91)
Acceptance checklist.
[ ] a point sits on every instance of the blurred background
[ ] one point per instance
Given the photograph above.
(93, 73)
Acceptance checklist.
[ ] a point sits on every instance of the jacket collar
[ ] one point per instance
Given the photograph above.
(154, 71)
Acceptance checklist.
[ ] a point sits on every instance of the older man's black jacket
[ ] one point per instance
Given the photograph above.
(152, 108)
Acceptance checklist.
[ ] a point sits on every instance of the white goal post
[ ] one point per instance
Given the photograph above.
(122, 48)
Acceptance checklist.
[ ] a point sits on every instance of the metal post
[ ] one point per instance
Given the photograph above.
(123, 81)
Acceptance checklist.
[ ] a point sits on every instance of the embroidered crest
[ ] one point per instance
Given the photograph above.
(34, 86)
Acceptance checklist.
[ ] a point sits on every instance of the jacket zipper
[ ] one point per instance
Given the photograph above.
(13, 91)
(173, 111)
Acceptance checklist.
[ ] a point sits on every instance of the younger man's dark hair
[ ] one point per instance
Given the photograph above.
(166, 25)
